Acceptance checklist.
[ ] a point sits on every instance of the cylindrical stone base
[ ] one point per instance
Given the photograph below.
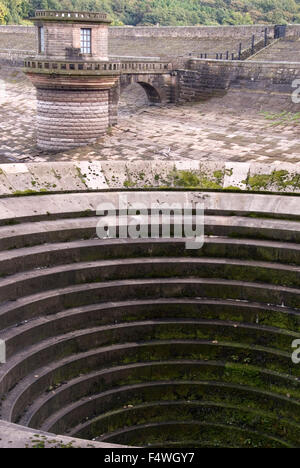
(69, 119)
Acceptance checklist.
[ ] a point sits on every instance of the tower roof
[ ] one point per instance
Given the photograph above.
(71, 16)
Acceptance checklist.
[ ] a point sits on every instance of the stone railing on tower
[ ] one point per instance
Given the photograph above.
(33, 65)
(71, 16)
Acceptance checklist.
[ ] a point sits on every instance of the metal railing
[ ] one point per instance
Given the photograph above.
(243, 52)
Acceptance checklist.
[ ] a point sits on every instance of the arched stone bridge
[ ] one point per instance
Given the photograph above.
(154, 76)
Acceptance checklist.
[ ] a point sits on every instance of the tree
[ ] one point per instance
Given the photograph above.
(3, 13)
(165, 12)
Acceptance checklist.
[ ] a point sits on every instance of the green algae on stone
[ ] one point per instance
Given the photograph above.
(196, 179)
(281, 180)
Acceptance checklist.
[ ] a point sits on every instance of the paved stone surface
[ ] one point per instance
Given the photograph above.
(214, 130)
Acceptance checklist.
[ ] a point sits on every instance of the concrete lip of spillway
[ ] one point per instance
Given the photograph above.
(141, 341)
(86, 176)
(14, 436)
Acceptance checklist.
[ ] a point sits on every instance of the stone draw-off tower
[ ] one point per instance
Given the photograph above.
(74, 79)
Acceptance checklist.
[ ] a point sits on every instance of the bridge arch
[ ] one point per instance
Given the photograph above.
(157, 86)
(153, 86)
(152, 93)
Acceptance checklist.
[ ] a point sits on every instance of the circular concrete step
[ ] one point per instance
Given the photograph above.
(143, 342)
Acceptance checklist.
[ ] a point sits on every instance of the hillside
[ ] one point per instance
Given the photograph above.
(165, 12)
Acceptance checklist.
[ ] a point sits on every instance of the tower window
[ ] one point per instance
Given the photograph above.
(41, 39)
(86, 41)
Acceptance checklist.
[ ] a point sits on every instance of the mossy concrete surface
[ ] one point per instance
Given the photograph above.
(14, 436)
(57, 177)
(139, 341)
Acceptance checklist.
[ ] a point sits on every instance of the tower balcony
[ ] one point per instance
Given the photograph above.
(73, 16)
(63, 67)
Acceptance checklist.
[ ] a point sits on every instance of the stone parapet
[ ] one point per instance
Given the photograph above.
(203, 79)
(73, 16)
(293, 30)
(95, 67)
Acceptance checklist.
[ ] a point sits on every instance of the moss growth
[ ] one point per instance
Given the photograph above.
(186, 179)
(56, 174)
(25, 193)
(282, 118)
(218, 413)
(243, 374)
(81, 176)
(129, 184)
(219, 176)
(232, 188)
(11, 222)
(193, 180)
(280, 180)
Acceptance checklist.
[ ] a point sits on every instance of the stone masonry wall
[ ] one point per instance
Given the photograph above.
(188, 31)
(16, 29)
(68, 119)
(178, 31)
(236, 33)
(59, 36)
(233, 32)
(209, 78)
(13, 57)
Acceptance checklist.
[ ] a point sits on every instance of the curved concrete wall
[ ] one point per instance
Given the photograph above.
(140, 342)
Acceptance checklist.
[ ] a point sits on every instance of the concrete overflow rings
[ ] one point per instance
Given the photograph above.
(142, 342)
